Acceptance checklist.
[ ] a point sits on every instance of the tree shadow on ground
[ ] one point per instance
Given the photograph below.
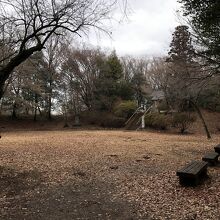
(26, 196)
(14, 182)
(91, 200)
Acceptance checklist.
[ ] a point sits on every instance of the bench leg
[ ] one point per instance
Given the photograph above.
(186, 181)
(193, 181)
(215, 162)
(196, 181)
(204, 174)
(182, 181)
(212, 163)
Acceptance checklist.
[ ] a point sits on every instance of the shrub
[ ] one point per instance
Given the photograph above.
(149, 118)
(90, 117)
(125, 109)
(157, 121)
(183, 121)
(104, 119)
(163, 106)
(217, 108)
(113, 122)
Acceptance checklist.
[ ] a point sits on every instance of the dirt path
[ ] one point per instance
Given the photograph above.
(103, 175)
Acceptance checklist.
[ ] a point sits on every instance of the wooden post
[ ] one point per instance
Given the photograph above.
(143, 122)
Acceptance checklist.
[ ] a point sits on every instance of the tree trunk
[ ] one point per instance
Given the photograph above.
(39, 110)
(202, 119)
(65, 118)
(2, 103)
(35, 107)
(7, 70)
(14, 115)
(49, 107)
(35, 114)
(50, 100)
(2, 85)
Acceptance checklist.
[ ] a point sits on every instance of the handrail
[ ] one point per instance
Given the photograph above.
(144, 115)
(132, 116)
(136, 113)
(146, 112)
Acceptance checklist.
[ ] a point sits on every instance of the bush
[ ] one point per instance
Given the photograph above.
(90, 117)
(163, 106)
(113, 122)
(183, 121)
(125, 109)
(217, 108)
(104, 119)
(157, 121)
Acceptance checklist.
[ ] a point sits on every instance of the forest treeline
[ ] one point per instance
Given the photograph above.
(64, 80)
(56, 78)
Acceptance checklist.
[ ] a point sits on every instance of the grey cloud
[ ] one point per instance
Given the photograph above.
(148, 30)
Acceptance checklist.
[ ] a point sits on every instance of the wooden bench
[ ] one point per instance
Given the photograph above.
(217, 149)
(192, 173)
(211, 158)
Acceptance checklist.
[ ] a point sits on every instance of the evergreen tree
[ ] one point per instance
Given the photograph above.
(181, 62)
(183, 93)
(182, 68)
(108, 85)
(139, 84)
(204, 17)
(115, 70)
(181, 49)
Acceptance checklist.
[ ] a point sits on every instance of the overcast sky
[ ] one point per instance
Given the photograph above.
(147, 32)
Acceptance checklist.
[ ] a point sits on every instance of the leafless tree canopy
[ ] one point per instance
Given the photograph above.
(26, 25)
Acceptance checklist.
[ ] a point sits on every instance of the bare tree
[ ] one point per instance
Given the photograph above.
(26, 26)
(135, 72)
(81, 69)
(157, 75)
(52, 60)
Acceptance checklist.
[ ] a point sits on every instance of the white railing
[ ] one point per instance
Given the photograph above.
(137, 111)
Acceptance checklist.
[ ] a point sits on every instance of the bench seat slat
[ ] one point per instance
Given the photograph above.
(188, 167)
(192, 173)
(211, 155)
(211, 158)
(194, 168)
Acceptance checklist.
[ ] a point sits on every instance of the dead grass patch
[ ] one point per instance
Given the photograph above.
(103, 175)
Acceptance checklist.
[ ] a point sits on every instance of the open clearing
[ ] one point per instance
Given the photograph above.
(103, 175)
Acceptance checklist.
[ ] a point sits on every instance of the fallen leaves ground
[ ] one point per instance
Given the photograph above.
(103, 175)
